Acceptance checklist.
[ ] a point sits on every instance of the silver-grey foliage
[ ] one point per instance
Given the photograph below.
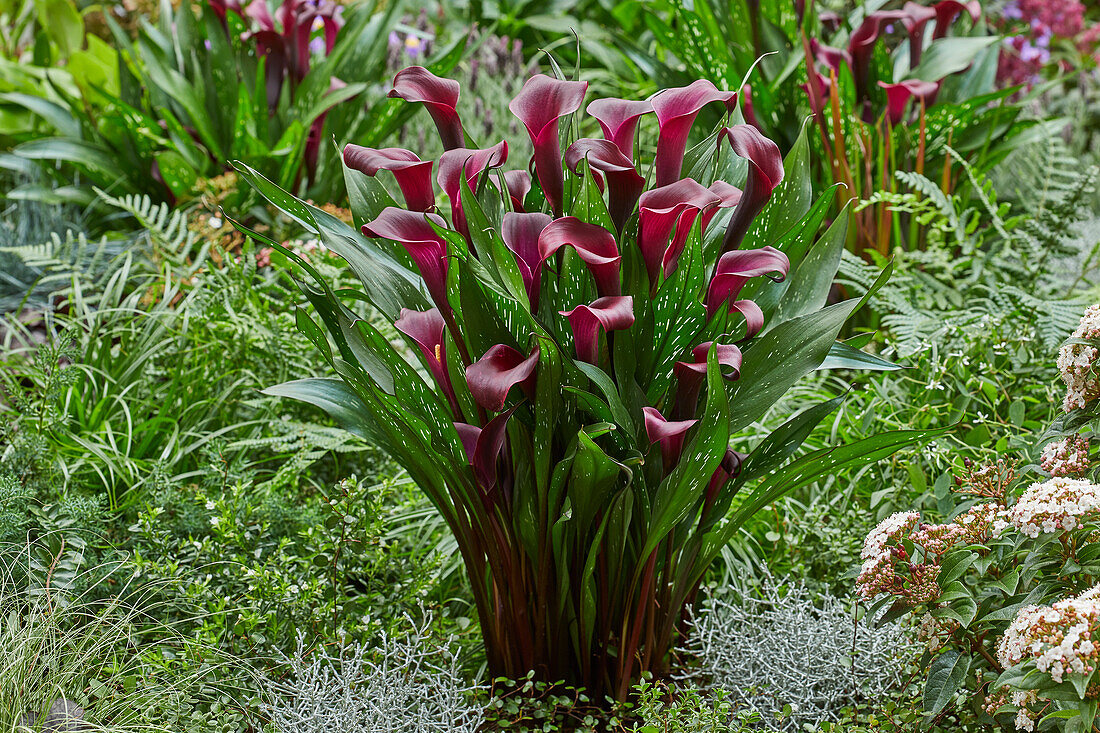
(783, 646)
(408, 684)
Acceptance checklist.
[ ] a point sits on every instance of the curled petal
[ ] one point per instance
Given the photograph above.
(624, 183)
(898, 95)
(754, 317)
(518, 184)
(454, 162)
(426, 329)
(483, 447)
(618, 119)
(676, 110)
(438, 95)
(738, 267)
(663, 211)
(539, 105)
(521, 235)
(915, 20)
(257, 10)
(492, 376)
(414, 176)
(594, 244)
(728, 196)
(765, 173)
(947, 10)
(669, 433)
(426, 248)
(614, 313)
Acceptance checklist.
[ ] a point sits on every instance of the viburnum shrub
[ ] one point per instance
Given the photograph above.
(583, 346)
(1009, 589)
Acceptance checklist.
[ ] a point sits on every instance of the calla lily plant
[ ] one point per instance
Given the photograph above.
(591, 339)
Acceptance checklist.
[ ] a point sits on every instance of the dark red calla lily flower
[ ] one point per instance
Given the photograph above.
(915, 19)
(594, 245)
(613, 313)
(669, 433)
(898, 95)
(692, 374)
(765, 173)
(831, 57)
(618, 119)
(665, 211)
(413, 175)
(492, 376)
(426, 329)
(426, 248)
(861, 46)
(438, 95)
(539, 105)
(818, 88)
(737, 268)
(520, 232)
(624, 183)
(483, 447)
(518, 184)
(449, 176)
(747, 108)
(676, 110)
(948, 10)
(728, 468)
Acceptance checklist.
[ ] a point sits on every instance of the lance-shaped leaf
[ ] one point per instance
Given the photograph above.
(618, 119)
(915, 19)
(492, 377)
(898, 96)
(539, 105)
(667, 210)
(518, 184)
(427, 249)
(765, 173)
(692, 374)
(483, 447)
(669, 433)
(738, 267)
(449, 176)
(426, 329)
(439, 96)
(520, 232)
(948, 10)
(676, 110)
(413, 175)
(594, 244)
(861, 46)
(624, 183)
(613, 313)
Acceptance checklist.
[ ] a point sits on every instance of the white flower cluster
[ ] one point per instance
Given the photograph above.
(1066, 457)
(1075, 362)
(982, 522)
(1057, 638)
(1056, 505)
(880, 550)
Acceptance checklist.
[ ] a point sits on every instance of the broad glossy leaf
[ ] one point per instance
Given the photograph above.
(844, 356)
(945, 677)
(334, 397)
(946, 56)
(782, 442)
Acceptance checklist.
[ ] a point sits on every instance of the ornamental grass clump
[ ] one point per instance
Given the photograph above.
(592, 330)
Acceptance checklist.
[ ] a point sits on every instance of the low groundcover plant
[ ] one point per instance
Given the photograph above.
(590, 342)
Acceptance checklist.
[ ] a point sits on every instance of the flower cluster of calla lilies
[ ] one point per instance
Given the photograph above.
(593, 327)
(825, 61)
(655, 223)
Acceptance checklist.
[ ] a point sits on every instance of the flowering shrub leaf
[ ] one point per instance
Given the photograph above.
(945, 677)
